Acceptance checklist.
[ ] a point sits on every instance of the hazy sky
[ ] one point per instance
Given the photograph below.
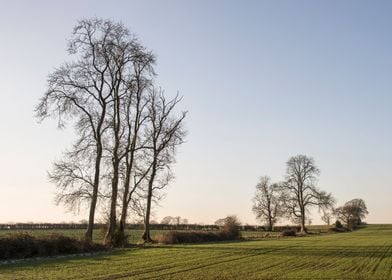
(262, 81)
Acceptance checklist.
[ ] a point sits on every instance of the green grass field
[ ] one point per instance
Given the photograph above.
(363, 254)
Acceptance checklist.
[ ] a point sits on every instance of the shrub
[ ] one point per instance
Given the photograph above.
(23, 245)
(230, 227)
(342, 229)
(120, 239)
(104, 229)
(178, 237)
(181, 237)
(282, 228)
(229, 230)
(338, 224)
(288, 232)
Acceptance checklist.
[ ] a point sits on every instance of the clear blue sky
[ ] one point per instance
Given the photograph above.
(262, 81)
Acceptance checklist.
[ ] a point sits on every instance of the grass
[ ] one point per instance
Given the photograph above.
(363, 254)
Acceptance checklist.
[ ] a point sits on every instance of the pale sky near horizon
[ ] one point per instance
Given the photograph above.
(262, 81)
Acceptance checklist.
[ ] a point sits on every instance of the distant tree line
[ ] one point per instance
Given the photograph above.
(294, 197)
(177, 220)
(127, 129)
(139, 226)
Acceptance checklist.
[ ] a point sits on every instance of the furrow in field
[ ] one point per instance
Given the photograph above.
(362, 254)
(216, 263)
(386, 254)
(185, 260)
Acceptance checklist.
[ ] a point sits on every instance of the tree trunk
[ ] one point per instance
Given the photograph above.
(123, 218)
(89, 232)
(146, 234)
(124, 210)
(269, 224)
(130, 158)
(88, 236)
(302, 220)
(301, 206)
(109, 238)
(269, 214)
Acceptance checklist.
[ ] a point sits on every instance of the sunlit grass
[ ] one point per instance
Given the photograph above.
(363, 254)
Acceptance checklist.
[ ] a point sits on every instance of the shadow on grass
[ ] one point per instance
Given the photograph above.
(64, 259)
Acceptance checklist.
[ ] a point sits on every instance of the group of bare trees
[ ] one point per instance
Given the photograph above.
(127, 130)
(294, 197)
(177, 220)
(297, 194)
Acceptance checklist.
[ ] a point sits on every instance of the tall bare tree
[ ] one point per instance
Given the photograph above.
(127, 135)
(299, 190)
(83, 89)
(267, 203)
(130, 67)
(135, 109)
(165, 132)
(102, 89)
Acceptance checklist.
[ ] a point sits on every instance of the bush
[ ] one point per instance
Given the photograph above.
(336, 229)
(230, 227)
(339, 227)
(228, 231)
(23, 245)
(178, 237)
(282, 228)
(338, 224)
(288, 232)
(120, 239)
(181, 237)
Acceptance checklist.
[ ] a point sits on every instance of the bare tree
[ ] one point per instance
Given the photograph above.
(82, 90)
(127, 135)
(327, 216)
(177, 220)
(138, 206)
(220, 222)
(165, 132)
(299, 189)
(267, 204)
(118, 52)
(103, 89)
(135, 72)
(167, 220)
(135, 117)
(352, 212)
(75, 185)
